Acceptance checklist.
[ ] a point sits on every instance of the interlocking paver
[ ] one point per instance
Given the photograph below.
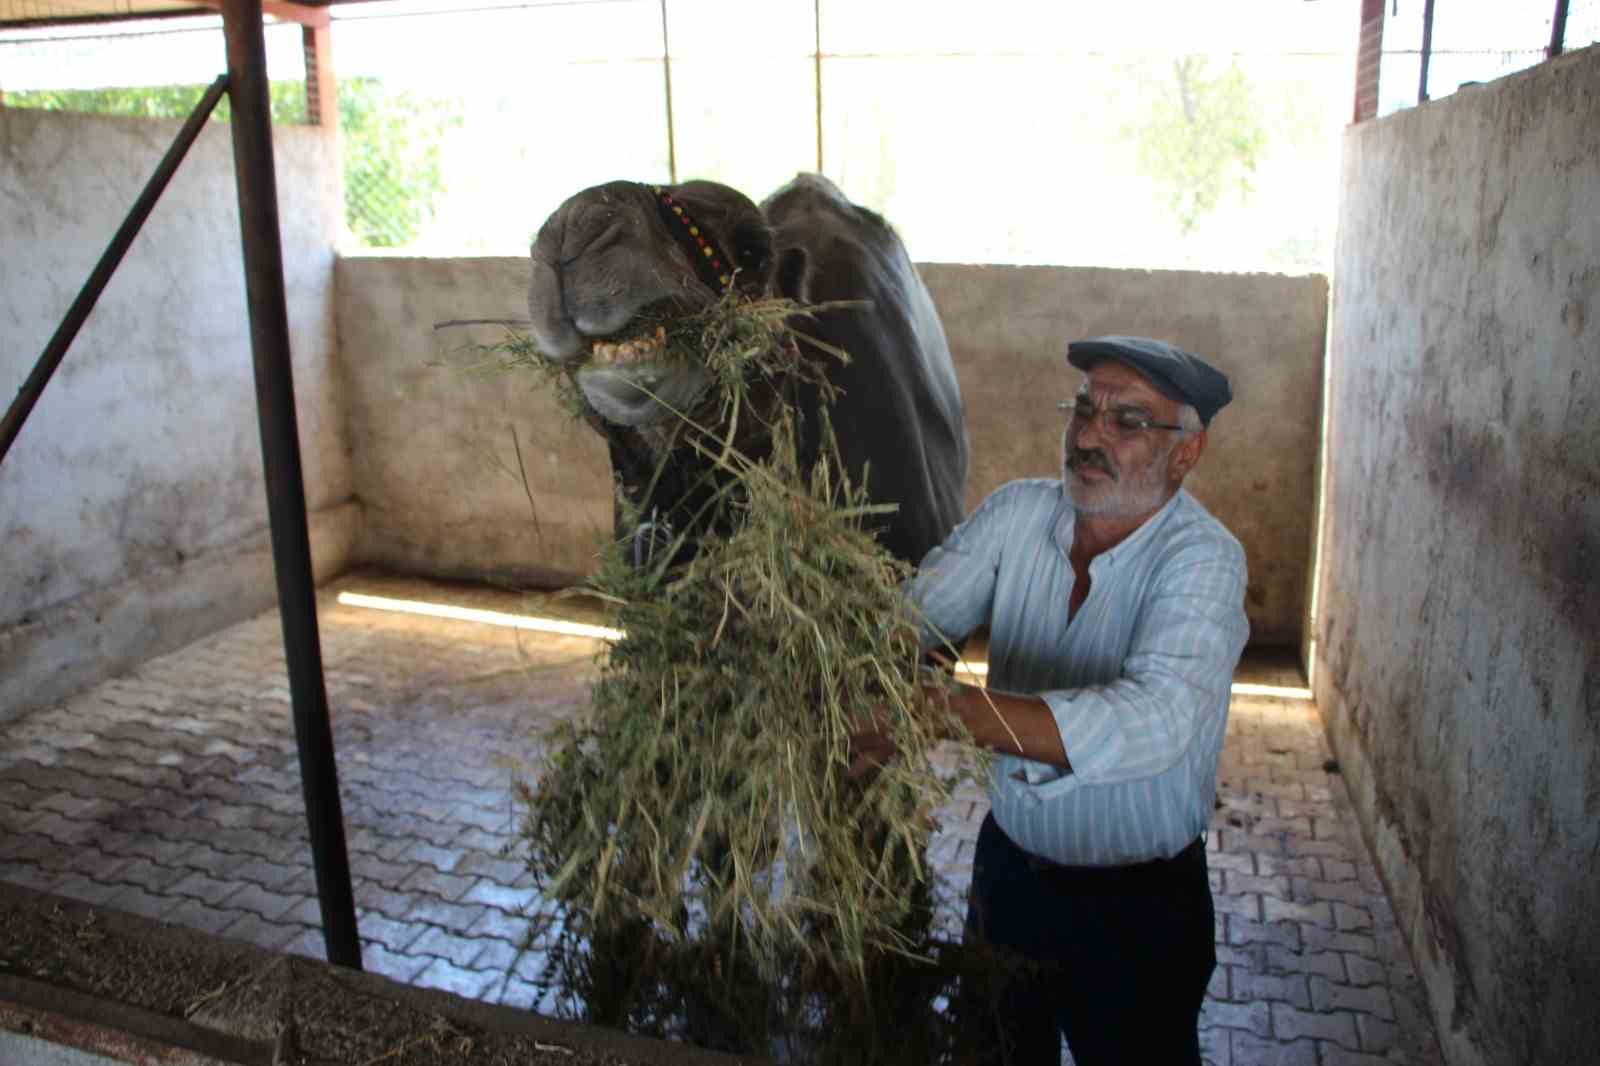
(1255, 1017)
(495, 894)
(446, 886)
(192, 914)
(509, 926)
(1251, 987)
(1335, 1055)
(376, 958)
(473, 984)
(307, 942)
(460, 950)
(1321, 938)
(257, 900)
(1327, 963)
(497, 956)
(85, 890)
(394, 935)
(1351, 918)
(1245, 931)
(1292, 1023)
(455, 917)
(174, 792)
(1329, 995)
(1365, 971)
(1279, 910)
(204, 888)
(151, 876)
(136, 900)
(254, 929)
(1251, 1050)
(1378, 1037)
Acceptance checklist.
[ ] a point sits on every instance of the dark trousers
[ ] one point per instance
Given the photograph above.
(1117, 961)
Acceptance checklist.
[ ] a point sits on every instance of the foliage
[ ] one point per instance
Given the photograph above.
(288, 100)
(391, 142)
(392, 147)
(1201, 135)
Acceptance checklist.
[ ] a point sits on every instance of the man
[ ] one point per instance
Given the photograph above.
(1115, 607)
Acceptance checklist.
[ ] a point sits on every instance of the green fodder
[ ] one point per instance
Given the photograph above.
(707, 863)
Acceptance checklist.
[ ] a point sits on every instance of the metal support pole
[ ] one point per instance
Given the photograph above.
(1427, 50)
(1558, 30)
(816, 70)
(280, 448)
(666, 74)
(78, 313)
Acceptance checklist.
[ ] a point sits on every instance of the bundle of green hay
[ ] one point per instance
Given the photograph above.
(710, 864)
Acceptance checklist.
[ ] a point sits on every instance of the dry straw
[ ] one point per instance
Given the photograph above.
(711, 866)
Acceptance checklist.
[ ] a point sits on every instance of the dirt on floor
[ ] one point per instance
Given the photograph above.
(304, 1011)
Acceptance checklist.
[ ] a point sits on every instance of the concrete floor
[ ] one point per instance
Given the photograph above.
(173, 792)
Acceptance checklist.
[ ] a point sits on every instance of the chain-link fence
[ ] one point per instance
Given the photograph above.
(1213, 146)
(1470, 42)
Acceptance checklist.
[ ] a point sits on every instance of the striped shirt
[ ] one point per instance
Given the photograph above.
(1138, 682)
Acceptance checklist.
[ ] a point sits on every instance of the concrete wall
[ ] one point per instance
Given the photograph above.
(1458, 632)
(132, 513)
(436, 442)
(439, 479)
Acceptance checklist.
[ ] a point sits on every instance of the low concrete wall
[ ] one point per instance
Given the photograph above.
(444, 494)
(132, 507)
(1458, 633)
(463, 471)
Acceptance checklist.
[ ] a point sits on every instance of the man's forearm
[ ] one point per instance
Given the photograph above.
(1006, 722)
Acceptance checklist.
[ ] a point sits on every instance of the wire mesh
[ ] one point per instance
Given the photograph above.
(1583, 25)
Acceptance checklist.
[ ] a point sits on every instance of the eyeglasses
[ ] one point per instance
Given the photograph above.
(1117, 421)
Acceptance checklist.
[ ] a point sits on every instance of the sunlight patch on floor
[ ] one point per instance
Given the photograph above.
(475, 614)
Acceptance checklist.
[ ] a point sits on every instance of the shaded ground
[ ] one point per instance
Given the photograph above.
(174, 793)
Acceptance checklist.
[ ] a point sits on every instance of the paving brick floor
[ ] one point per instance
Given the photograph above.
(173, 792)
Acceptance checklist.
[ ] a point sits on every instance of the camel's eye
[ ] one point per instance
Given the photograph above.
(752, 246)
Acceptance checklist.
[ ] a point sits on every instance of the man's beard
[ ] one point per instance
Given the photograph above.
(1126, 495)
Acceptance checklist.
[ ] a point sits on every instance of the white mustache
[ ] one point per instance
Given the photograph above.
(1076, 458)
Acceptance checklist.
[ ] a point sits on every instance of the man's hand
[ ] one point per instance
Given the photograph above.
(870, 746)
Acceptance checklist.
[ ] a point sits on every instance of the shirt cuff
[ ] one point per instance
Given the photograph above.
(1032, 783)
(1089, 732)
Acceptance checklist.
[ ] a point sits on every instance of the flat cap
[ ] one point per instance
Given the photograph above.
(1180, 375)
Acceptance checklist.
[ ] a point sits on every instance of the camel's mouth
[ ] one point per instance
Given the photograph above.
(644, 340)
(641, 373)
(646, 347)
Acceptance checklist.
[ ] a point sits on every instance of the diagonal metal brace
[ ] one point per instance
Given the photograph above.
(31, 389)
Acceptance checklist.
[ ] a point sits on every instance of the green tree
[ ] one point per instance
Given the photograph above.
(391, 150)
(156, 101)
(1200, 135)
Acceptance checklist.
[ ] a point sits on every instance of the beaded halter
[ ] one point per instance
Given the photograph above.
(709, 261)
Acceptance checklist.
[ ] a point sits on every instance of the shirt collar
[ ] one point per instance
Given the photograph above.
(1066, 520)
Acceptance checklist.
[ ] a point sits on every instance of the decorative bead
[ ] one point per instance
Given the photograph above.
(726, 280)
(677, 210)
(707, 251)
(695, 230)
